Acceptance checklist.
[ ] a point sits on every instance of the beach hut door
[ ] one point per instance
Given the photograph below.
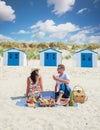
(50, 59)
(86, 60)
(13, 58)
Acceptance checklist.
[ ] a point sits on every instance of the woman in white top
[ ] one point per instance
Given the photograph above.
(34, 84)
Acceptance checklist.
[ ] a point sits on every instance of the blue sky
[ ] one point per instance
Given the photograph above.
(70, 21)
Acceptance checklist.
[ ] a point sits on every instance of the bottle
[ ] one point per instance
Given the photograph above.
(71, 102)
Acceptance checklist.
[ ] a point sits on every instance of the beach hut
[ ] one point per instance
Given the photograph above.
(50, 57)
(14, 57)
(85, 58)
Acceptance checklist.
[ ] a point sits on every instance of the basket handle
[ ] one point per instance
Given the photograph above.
(78, 87)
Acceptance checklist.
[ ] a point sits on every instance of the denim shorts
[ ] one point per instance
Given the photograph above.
(65, 89)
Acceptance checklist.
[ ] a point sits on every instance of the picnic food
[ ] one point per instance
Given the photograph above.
(51, 101)
(31, 104)
(32, 99)
(65, 102)
(44, 101)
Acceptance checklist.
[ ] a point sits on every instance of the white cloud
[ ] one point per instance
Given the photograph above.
(71, 33)
(6, 12)
(82, 11)
(61, 6)
(78, 38)
(81, 38)
(96, 1)
(22, 32)
(47, 26)
(94, 39)
(54, 31)
(38, 35)
(85, 35)
(57, 35)
(5, 38)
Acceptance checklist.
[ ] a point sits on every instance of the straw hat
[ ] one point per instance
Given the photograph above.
(33, 69)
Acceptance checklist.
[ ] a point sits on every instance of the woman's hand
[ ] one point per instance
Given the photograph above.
(27, 98)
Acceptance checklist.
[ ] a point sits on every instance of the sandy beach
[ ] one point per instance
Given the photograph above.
(13, 84)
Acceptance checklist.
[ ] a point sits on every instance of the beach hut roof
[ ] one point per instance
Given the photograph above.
(84, 50)
(49, 49)
(14, 49)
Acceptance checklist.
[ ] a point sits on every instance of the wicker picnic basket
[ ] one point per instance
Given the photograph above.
(79, 94)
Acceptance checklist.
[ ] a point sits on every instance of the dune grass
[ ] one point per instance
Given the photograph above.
(67, 57)
(32, 49)
(99, 57)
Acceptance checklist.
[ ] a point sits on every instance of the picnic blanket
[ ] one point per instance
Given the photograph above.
(45, 94)
(23, 103)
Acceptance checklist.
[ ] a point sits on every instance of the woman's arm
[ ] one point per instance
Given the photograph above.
(27, 88)
(41, 85)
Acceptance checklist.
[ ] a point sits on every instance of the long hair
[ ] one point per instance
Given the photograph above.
(33, 76)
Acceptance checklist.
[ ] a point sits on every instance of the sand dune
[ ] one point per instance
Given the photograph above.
(13, 84)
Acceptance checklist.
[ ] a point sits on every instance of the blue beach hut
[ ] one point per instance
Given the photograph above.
(14, 57)
(85, 58)
(50, 57)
